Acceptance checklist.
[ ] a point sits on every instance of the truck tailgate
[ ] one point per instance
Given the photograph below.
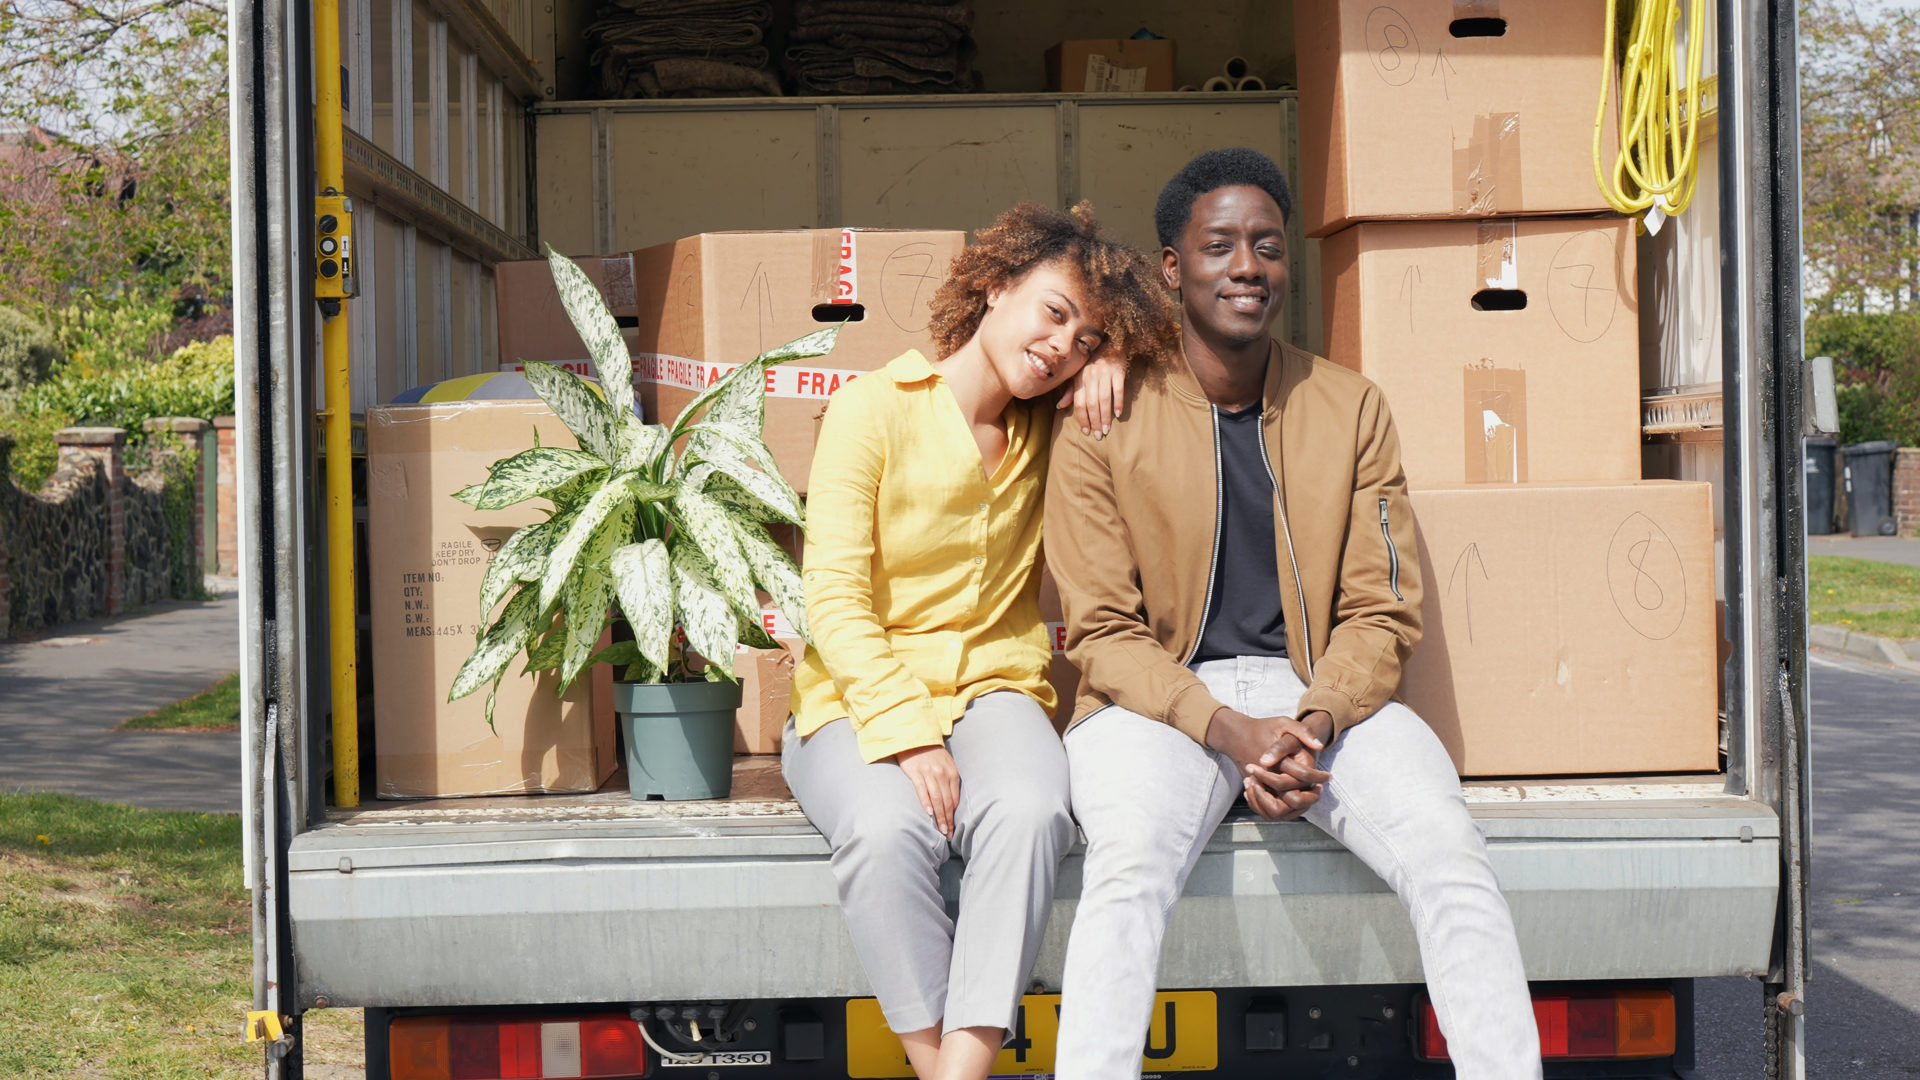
(610, 900)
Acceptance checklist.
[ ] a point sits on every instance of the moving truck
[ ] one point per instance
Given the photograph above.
(534, 936)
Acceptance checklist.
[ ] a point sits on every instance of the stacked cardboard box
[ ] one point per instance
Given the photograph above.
(1471, 270)
(427, 553)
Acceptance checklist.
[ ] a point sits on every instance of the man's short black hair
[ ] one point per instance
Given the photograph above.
(1212, 171)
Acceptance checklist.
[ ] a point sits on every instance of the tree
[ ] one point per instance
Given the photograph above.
(1860, 155)
(114, 175)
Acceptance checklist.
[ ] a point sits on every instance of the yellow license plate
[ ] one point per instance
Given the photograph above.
(1181, 1038)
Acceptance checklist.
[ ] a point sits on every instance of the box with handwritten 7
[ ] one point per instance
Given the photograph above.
(1569, 629)
(709, 302)
(1508, 350)
(1447, 109)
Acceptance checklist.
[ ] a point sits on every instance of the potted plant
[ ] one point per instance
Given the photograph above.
(666, 523)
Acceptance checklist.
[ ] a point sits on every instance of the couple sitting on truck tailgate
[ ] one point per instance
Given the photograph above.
(1239, 636)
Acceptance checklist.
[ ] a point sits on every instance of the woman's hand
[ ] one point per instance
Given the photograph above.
(937, 779)
(1096, 394)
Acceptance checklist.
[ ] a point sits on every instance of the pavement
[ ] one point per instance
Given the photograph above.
(1863, 993)
(63, 696)
(1894, 549)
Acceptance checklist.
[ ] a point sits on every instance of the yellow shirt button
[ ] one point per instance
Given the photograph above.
(977, 560)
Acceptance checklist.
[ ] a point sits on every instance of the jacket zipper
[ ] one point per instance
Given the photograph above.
(1280, 504)
(1393, 555)
(1219, 510)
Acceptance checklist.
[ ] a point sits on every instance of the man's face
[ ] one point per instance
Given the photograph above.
(1231, 264)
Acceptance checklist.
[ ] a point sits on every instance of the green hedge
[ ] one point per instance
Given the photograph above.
(1877, 365)
(28, 353)
(195, 381)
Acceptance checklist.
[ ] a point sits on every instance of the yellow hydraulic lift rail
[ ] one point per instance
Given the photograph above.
(335, 283)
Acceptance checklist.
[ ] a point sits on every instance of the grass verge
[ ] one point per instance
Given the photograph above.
(1864, 595)
(216, 708)
(126, 951)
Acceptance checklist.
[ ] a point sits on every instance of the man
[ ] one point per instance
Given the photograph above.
(1236, 561)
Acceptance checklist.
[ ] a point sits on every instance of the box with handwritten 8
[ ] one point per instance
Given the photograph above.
(1569, 630)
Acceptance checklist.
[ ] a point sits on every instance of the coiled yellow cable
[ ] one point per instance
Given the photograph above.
(1657, 163)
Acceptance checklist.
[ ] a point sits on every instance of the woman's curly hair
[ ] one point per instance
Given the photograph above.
(1137, 315)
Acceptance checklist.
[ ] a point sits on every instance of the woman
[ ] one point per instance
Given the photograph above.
(920, 725)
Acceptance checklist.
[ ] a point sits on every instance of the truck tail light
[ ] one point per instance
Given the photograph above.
(1587, 1025)
(605, 1046)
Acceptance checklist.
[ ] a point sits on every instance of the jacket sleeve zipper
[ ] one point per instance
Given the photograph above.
(1393, 554)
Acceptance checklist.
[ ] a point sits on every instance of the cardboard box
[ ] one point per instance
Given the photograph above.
(711, 302)
(1508, 350)
(1063, 675)
(1400, 117)
(766, 694)
(1111, 65)
(427, 554)
(1569, 629)
(533, 324)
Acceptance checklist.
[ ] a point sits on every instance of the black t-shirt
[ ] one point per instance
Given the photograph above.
(1245, 616)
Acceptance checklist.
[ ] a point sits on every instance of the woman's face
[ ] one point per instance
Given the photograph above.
(1039, 330)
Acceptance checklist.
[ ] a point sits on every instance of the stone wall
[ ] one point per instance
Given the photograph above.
(95, 539)
(57, 540)
(1906, 490)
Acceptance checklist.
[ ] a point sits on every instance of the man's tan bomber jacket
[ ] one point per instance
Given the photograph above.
(1130, 539)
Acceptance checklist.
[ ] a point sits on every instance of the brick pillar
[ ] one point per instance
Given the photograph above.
(106, 448)
(1906, 490)
(195, 434)
(226, 516)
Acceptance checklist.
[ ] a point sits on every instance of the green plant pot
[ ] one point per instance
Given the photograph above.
(679, 738)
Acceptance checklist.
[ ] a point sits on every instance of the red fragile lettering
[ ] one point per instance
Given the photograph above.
(766, 621)
(770, 380)
(1059, 636)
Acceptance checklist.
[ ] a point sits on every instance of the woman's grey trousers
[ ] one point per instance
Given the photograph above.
(1012, 827)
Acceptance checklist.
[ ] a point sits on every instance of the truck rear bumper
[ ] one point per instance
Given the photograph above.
(666, 907)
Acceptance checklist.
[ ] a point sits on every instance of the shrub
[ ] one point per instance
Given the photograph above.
(195, 381)
(1877, 364)
(27, 354)
(34, 457)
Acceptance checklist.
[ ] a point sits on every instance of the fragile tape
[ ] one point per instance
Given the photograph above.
(1486, 171)
(782, 380)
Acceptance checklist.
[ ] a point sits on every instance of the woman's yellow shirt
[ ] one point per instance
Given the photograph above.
(922, 572)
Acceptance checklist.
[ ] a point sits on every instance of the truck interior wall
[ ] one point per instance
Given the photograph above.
(1013, 37)
(621, 176)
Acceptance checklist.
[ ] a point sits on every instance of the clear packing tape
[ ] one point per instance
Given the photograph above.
(1657, 166)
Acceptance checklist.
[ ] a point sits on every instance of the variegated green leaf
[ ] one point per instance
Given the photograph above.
(619, 654)
(544, 654)
(498, 643)
(710, 448)
(643, 581)
(579, 529)
(777, 574)
(539, 471)
(721, 442)
(521, 558)
(580, 407)
(643, 444)
(746, 380)
(741, 502)
(589, 591)
(648, 491)
(597, 329)
(709, 525)
(711, 624)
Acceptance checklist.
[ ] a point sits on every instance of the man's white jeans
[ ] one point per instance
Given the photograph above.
(1148, 798)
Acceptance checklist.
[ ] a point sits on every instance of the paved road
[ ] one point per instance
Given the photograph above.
(1893, 549)
(1863, 1000)
(62, 697)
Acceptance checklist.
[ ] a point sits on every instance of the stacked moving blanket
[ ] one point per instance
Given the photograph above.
(683, 48)
(882, 47)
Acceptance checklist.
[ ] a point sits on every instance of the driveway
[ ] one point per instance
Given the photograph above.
(62, 697)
